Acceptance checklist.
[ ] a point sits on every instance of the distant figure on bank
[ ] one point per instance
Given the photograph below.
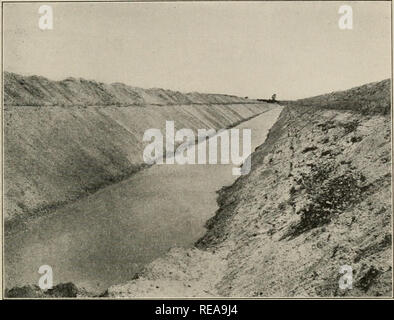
(273, 98)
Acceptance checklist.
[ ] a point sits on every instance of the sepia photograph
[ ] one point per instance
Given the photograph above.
(197, 150)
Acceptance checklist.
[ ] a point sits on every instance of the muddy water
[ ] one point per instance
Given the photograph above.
(106, 238)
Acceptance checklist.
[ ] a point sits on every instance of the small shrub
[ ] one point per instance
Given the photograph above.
(350, 126)
(307, 149)
(329, 198)
(355, 139)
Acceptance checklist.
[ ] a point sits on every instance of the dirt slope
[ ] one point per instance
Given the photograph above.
(318, 197)
(54, 155)
(371, 98)
(39, 91)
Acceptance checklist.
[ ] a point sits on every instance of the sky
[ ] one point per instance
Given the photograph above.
(254, 49)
